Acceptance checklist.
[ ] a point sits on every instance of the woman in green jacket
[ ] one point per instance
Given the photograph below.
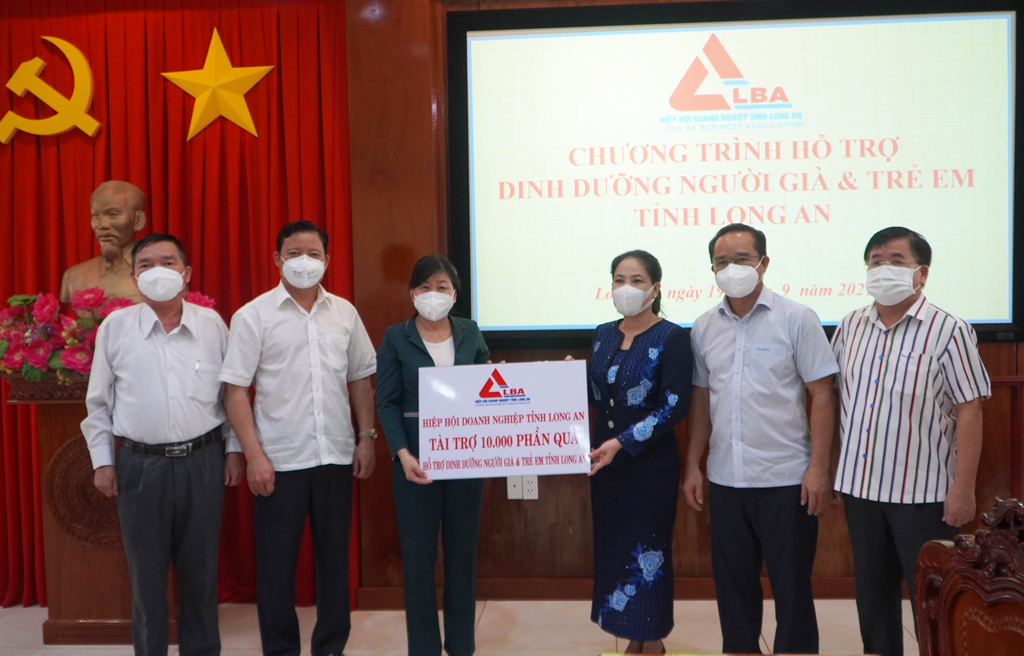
(425, 507)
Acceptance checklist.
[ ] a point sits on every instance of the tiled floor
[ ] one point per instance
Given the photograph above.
(504, 628)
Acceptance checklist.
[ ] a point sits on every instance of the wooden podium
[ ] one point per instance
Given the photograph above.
(87, 587)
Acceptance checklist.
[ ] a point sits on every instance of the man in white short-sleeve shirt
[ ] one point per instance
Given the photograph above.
(153, 388)
(911, 386)
(755, 356)
(309, 357)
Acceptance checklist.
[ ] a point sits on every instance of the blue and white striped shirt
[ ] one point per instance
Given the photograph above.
(756, 369)
(898, 387)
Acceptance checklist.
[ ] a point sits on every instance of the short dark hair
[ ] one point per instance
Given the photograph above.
(428, 265)
(295, 227)
(760, 241)
(650, 264)
(156, 238)
(918, 245)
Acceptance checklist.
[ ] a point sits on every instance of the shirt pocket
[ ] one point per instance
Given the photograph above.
(770, 365)
(204, 386)
(914, 376)
(337, 354)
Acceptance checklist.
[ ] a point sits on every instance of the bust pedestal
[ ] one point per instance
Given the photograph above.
(87, 586)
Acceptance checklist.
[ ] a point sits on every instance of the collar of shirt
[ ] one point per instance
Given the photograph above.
(148, 321)
(915, 311)
(412, 333)
(765, 298)
(281, 295)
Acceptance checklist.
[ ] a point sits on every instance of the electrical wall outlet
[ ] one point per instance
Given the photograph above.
(515, 487)
(529, 487)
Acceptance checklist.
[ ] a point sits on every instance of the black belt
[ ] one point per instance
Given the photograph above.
(175, 449)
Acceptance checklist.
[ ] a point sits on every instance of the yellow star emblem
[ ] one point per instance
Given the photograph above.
(219, 89)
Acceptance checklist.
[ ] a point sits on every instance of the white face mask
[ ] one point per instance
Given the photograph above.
(160, 283)
(433, 306)
(629, 301)
(737, 281)
(303, 271)
(891, 285)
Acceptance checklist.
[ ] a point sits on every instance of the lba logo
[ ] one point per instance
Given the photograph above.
(496, 390)
(686, 99)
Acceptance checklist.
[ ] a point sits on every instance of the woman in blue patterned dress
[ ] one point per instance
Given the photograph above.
(640, 372)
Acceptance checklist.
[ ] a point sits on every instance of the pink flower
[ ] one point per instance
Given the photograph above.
(14, 358)
(115, 304)
(57, 340)
(14, 336)
(37, 353)
(45, 309)
(195, 298)
(88, 299)
(77, 358)
(89, 336)
(10, 315)
(70, 324)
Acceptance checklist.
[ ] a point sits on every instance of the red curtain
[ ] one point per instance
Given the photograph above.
(225, 193)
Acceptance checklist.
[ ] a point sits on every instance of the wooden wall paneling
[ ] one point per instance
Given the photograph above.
(545, 539)
(541, 549)
(1017, 442)
(691, 538)
(395, 208)
(994, 470)
(1000, 361)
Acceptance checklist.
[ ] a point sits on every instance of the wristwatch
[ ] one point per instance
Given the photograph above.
(372, 433)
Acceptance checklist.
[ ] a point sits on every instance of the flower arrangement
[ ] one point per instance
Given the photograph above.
(195, 298)
(37, 338)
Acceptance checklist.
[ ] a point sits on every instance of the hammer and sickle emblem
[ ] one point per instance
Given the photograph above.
(71, 112)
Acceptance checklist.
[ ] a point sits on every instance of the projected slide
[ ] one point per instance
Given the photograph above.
(587, 143)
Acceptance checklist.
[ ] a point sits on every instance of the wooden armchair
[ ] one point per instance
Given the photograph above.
(970, 592)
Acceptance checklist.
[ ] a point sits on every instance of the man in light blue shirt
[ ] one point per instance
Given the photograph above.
(755, 357)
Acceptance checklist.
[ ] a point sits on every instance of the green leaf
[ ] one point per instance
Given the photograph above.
(33, 374)
(85, 323)
(21, 299)
(54, 361)
(4, 345)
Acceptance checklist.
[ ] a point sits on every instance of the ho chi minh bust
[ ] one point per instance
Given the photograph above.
(117, 214)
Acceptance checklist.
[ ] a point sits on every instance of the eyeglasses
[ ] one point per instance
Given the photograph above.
(720, 263)
(874, 264)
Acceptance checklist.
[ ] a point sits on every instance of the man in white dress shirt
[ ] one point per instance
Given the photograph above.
(307, 353)
(154, 385)
(755, 357)
(911, 387)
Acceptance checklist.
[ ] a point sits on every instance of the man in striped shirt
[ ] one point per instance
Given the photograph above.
(911, 384)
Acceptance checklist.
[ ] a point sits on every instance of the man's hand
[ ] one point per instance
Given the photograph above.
(260, 474)
(411, 467)
(234, 469)
(960, 506)
(364, 458)
(693, 488)
(603, 455)
(105, 480)
(816, 490)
